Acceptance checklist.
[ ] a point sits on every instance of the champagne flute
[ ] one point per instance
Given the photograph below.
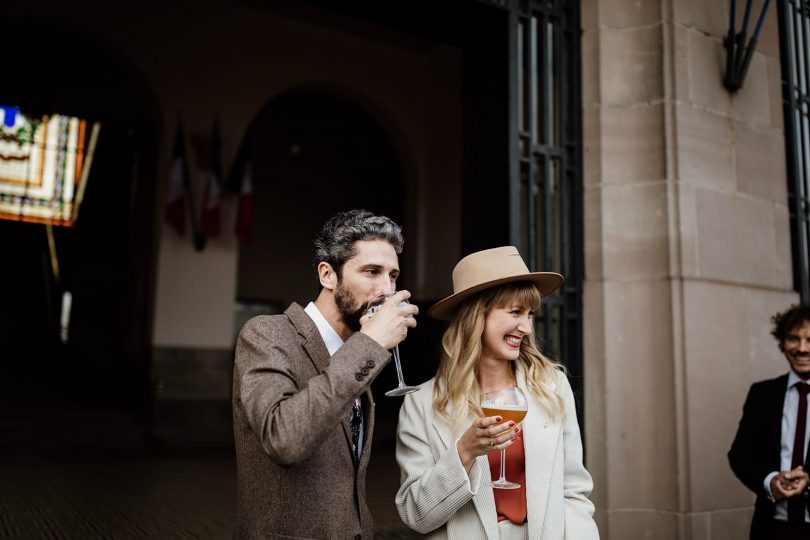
(510, 404)
(373, 306)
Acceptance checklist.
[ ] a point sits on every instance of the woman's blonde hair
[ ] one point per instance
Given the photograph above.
(456, 392)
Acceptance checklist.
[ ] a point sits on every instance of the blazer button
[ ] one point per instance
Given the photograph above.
(358, 377)
(364, 371)
(370, 363)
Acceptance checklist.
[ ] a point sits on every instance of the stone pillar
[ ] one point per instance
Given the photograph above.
(687, 255)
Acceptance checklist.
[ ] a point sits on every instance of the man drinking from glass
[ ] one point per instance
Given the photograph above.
(303, 413)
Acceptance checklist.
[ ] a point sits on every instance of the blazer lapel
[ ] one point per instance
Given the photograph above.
(318, 353)
(484, 500)
(540, 437)
(443, 430)
(312, 341)
(775, 403)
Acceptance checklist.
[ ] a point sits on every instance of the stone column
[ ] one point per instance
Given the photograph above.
(687, 254)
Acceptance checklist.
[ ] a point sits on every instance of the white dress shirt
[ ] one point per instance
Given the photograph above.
(333, 342)
(789, 412)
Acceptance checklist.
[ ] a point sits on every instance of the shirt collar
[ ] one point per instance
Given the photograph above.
(793, 379)
(330, 338)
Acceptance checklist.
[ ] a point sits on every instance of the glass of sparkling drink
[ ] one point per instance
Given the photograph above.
(510, 404)
(373, 306)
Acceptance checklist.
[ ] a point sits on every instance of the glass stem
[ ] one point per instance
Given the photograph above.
(398, 366)
(503, 465)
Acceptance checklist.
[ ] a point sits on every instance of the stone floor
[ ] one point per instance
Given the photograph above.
(184, 495)
(85, 475)
(77, 463)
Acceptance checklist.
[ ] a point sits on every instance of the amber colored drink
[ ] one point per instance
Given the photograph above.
(515, 415)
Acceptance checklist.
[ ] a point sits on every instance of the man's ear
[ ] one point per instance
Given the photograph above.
(327, 276)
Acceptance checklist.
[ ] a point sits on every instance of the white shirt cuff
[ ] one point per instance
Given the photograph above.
(767, 485)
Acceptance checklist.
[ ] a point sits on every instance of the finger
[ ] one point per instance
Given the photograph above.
(496, 443)
(785, 490)
(401, 296)
(791, 492)
(500, 429)
(503, 445)
(506, 436)
(488, 421)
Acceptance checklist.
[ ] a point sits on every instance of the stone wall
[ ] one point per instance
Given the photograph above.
(687, 254)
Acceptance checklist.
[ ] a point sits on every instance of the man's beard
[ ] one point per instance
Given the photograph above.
(346, 303)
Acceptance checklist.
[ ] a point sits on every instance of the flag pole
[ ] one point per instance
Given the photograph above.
(65, 296)
(197, 238)
(52, 251)
(91, 148)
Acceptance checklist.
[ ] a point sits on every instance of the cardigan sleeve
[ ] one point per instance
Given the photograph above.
(432, 489)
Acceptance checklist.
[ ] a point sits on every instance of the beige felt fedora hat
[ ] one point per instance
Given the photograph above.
(484, 269)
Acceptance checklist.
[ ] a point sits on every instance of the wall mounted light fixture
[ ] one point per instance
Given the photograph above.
(738, 51)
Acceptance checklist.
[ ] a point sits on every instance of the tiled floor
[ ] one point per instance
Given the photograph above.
(123, 497)
(74, 489)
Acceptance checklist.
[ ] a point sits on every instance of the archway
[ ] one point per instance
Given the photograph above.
(314, 153)
(106, 259)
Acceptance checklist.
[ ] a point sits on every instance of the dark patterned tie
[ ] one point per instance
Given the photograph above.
(356, 420)
(796, 504)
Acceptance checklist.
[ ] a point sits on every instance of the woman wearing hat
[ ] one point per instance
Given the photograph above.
(448, 451)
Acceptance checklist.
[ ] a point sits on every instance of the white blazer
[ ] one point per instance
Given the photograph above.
(437, 495)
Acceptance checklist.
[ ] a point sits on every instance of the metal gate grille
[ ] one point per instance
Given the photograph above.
(546, 174)
(794, 36)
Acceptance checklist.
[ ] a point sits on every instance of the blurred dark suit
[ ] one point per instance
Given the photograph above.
(755, 452)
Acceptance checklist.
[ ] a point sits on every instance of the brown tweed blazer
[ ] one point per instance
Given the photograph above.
(296, 474)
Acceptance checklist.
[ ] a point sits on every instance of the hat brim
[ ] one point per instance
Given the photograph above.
(546, 283)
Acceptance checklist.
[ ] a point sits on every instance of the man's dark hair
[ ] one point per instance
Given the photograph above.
(788, 320)
(335, 243)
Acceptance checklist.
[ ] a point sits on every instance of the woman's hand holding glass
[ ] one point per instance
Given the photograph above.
(509, 402)
(483, 436)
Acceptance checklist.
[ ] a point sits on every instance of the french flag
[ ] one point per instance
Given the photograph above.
(209, 219)
(175, 211)
(245, 224)
(240, 182)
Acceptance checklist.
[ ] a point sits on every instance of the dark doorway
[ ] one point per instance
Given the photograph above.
(106, 259)
(314, 153)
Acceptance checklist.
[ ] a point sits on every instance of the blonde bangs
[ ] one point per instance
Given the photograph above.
(523, 293)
